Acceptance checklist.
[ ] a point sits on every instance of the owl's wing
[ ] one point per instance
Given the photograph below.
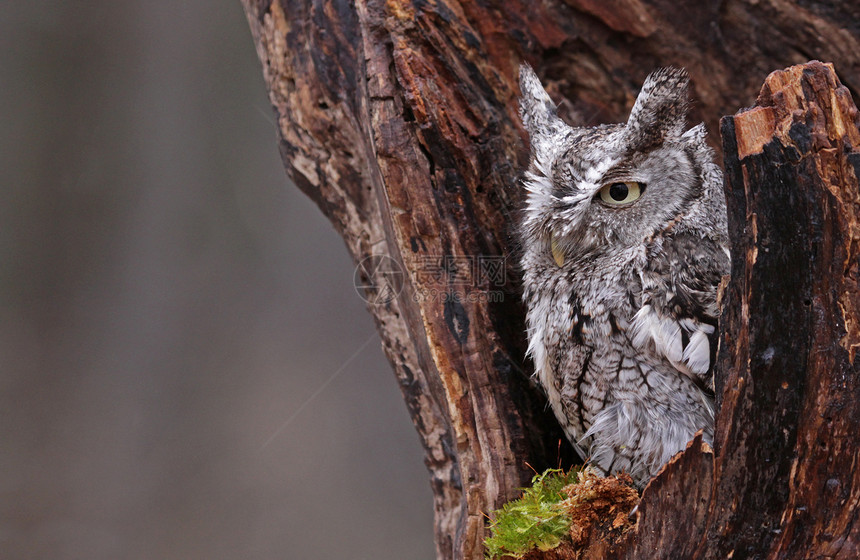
(679, 312)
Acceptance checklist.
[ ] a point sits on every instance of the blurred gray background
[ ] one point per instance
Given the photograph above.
(185, 368)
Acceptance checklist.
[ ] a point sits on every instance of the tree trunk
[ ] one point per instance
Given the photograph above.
(399, 120)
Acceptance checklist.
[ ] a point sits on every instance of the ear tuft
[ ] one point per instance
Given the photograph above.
(537, 110)
(660, 111)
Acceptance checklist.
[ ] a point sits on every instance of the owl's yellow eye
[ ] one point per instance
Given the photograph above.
(616, 194)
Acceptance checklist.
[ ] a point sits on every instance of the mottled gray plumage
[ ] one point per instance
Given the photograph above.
(621, 296)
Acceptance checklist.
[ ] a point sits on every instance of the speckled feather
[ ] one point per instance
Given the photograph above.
(621, 299)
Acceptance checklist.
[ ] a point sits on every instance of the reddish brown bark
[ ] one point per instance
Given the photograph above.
(786, 442)
(398, 119)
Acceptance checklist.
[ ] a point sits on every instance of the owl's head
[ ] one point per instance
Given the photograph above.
(601, 189)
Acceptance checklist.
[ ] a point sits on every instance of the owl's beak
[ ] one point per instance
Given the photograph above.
(557, 253)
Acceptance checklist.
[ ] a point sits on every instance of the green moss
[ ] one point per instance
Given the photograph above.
(536, 520)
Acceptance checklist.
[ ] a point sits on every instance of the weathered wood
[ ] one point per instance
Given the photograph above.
(407, 144)
(398, 118)
(786, 447)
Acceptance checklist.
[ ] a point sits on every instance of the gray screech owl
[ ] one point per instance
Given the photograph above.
(624, 243)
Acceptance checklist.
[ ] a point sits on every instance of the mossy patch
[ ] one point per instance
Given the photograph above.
(537, 520)
(576, 509)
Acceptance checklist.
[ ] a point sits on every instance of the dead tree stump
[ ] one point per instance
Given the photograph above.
(398, 118)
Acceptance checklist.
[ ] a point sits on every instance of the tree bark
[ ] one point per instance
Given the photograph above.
(398, 119)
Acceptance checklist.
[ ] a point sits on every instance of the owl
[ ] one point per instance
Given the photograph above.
(624, 242)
